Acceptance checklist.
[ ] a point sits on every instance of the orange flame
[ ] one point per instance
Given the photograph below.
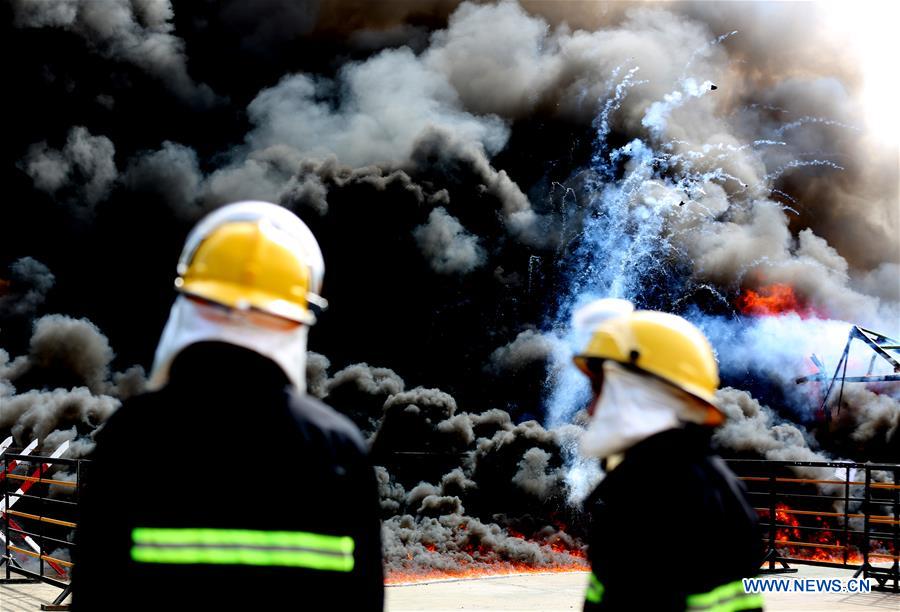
(482, 570)
(830, 535)
(475, 560)
(772, 300)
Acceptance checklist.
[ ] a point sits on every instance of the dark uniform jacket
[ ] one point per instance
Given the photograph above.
(224, 491)
(671, 530)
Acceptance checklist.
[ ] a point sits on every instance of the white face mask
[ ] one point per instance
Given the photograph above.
(631, 408)
(187, 325)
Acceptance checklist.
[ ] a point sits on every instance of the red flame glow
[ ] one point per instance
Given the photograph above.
(791, 533)
(475, 560)
(481, 570)
(772, 300)
(826, 544)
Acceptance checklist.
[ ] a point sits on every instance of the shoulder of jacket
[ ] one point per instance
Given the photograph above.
(325, 418)
(129, 413)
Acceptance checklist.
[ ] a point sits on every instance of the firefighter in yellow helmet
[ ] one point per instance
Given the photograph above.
(226, 487)
(671, 529)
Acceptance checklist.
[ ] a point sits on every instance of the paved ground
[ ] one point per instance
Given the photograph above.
(564, 592)
(17, 597)
(545, 592)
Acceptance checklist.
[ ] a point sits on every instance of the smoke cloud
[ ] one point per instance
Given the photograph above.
(139, 33)
(751, 427)
(476, 171)
(67, 387)
(171, 174)
(447, 245)
(82, 172)
(440, 515)
(527, 348)
(71, 345)
(37, 414)
(26, 289)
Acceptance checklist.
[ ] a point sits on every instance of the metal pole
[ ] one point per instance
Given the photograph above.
(866, 512)
(6, 552)
(77, 519)
(896, 503)
(837, 371)
(843, 380)
(846, 517)
(41, 527)
(772, 519)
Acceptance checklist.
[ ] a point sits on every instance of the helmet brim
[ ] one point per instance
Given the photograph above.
(240, 298)
(589, 366)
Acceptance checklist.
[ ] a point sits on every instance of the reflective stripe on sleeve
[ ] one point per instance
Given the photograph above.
(594, 591)
(242, 547)
(726, 598)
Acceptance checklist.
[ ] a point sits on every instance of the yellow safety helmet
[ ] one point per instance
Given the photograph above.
(254, 256)
(661, 344)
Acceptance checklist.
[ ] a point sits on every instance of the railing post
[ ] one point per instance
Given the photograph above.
(847, 514)
(7, 555)
(77, 495)
(772, 518)
(866, 511)
(896, 503)
(43, 508)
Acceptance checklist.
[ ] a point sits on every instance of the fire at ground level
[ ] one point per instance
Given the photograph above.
(549, 592)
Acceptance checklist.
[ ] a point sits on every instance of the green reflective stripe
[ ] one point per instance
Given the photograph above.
(242, 537)
(595, 590)
(704, 600)
(726, 598)
(242, 547)
(241, 556)
(744, 602)
(741, 602)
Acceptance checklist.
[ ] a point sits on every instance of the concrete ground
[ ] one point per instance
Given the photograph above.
(564, 592)
(545, 592)
(20, 597)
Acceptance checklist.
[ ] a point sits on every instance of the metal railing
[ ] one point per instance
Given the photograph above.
(39, 514)
(833, 514)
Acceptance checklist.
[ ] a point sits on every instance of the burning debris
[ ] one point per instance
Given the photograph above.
(474, 173)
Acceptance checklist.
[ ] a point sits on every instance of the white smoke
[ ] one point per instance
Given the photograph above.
(450, 249)
(527, 347)
(388, 101)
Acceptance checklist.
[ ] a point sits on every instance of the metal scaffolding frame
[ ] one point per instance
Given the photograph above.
(882, 346)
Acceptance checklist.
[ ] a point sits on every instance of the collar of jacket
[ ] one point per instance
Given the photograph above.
(221, 368)
(684, 444)
(688, 441)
